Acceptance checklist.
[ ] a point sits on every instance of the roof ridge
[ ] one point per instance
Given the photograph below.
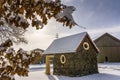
(72, 35)
(108, 34)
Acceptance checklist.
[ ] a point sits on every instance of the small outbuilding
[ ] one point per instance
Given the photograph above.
(74, 55)
(109, 47)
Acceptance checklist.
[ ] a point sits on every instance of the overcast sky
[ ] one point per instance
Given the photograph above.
(98, 16)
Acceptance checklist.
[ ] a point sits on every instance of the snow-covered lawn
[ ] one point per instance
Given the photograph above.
(107, 71)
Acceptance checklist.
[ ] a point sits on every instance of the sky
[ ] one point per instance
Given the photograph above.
(98, 16)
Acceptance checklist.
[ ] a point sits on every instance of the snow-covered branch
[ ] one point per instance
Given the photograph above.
(15, 62)
(18, 12)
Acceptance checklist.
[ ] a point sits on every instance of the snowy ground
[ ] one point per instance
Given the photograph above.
(107, 71)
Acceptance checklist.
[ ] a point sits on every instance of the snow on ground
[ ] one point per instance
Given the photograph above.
(107, 71)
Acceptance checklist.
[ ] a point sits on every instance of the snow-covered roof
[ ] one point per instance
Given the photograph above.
(107, 34)
(66, 44)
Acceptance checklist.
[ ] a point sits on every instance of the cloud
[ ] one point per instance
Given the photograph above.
(66, 1)
(36, 39)
(103, 30)
(95, 15)
(95, 33)
(43, 38)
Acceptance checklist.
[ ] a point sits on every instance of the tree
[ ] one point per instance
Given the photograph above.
(19, 12)
(18, 15)
(16, 34)
(40, 51)
(15, 62)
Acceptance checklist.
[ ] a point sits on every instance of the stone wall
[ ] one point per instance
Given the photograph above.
(77, 64)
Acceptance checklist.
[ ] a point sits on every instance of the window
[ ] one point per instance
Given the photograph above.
(86, 46)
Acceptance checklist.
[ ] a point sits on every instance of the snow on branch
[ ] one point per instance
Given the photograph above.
(16, 34)
(15, 62)
(18, 12)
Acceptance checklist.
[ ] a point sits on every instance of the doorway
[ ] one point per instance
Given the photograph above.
(48, 59)
(106, 59)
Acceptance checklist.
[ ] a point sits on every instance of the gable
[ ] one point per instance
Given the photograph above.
(107, 40)
(91, 44)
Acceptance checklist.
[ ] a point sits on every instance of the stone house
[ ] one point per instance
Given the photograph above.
(74, 55)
